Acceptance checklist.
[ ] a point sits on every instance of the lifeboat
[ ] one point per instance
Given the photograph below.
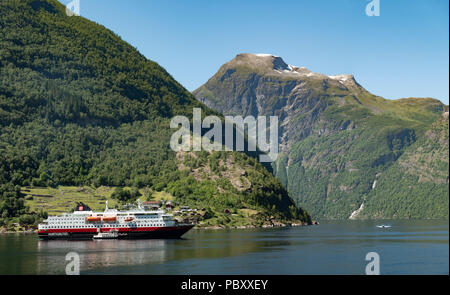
(93, 218)
(109, 218)
(128, 219)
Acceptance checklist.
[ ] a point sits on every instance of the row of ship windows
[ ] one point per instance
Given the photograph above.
(86, 226)
(138, 222)
(119, 217)
(66, 218)
(82, 218)
(82, 221)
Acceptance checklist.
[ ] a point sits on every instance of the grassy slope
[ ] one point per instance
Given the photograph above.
(64, 198)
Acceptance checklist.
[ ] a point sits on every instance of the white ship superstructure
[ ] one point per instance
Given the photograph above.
(112, 223)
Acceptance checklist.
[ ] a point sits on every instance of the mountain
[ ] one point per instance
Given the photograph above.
(422, 171)
(342, 148)
(79, 106)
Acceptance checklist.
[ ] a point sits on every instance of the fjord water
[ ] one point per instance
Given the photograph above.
(333, 247)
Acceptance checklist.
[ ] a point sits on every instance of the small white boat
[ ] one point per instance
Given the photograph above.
(383, 226)
(112, 234)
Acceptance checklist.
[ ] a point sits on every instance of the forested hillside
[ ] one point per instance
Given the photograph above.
(79, 106)
(418, 180)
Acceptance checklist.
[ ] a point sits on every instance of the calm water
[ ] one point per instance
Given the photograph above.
(338, 247)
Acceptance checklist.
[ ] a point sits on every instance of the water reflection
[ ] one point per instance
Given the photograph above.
(99, 253)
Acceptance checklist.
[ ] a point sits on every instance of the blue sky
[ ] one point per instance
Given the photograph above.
(404, 52)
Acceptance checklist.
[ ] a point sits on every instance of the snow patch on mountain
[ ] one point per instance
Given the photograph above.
(265, 55)
(342, 78)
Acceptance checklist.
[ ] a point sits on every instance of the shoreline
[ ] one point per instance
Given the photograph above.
(19, 232)
(254, 226)
(215, 227)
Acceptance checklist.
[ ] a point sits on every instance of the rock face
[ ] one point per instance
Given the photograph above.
(263, 84)
(336, 139)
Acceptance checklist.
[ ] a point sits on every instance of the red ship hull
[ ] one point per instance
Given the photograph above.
(168, 232)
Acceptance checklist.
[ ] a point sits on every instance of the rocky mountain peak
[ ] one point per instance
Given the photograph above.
(260, 61)
(274, 65)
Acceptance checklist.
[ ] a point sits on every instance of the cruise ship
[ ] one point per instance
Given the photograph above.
(138, 223)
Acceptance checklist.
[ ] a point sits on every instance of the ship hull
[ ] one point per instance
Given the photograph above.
(173, 232)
